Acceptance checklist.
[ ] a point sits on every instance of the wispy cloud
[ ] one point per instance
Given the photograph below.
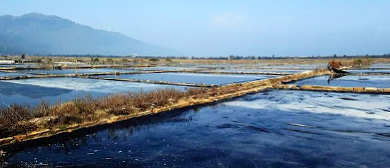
(227, 19)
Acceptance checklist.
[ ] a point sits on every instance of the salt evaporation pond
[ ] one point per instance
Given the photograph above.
(165, 68)
(18, 65)
(3, 74)
(386, 71)
(33, 91)
(260, 70)
(381, 65)
(268, 129)
(79, 71)
(380, 81)
(294, 66)
(216, 79)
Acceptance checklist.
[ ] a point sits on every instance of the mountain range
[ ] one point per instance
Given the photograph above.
(36, 33)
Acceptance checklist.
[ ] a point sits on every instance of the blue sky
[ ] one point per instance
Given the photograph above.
(224, 27)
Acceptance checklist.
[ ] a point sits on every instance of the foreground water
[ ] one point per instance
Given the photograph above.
(33, 91)
(268, 129)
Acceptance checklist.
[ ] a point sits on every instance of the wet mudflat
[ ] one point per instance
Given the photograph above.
(379, 81)
(33, 91)
(211, 79)
(268, 129)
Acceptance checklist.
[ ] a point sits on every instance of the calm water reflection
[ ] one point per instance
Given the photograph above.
(32, 91)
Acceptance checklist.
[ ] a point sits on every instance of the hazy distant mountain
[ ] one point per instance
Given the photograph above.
(42, 34)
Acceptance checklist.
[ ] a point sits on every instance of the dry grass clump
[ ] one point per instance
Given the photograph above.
(360, 63)
(133, 102)
(11, 118)
(334, 64)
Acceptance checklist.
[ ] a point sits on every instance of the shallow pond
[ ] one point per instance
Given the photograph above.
(216, 79)
(294, 66)
(2, 74)
(32, 91)
(78, 71)
(164, 68)
(380, 81)
(381, 65)
(268, 129)
(261, 70)
(386, 71)
(18, 65)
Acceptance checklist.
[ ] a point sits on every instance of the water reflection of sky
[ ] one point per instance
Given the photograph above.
(78, 71)
(381, 65)
(216, 79)
(380, 81)
(260, 70)
(32, 91)
(2, 74)
(268, 129)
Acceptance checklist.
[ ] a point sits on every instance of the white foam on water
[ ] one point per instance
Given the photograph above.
(365, 106)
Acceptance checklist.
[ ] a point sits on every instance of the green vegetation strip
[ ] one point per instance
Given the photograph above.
(22, 123)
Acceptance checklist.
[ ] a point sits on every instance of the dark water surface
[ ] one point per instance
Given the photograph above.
(269, 129)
